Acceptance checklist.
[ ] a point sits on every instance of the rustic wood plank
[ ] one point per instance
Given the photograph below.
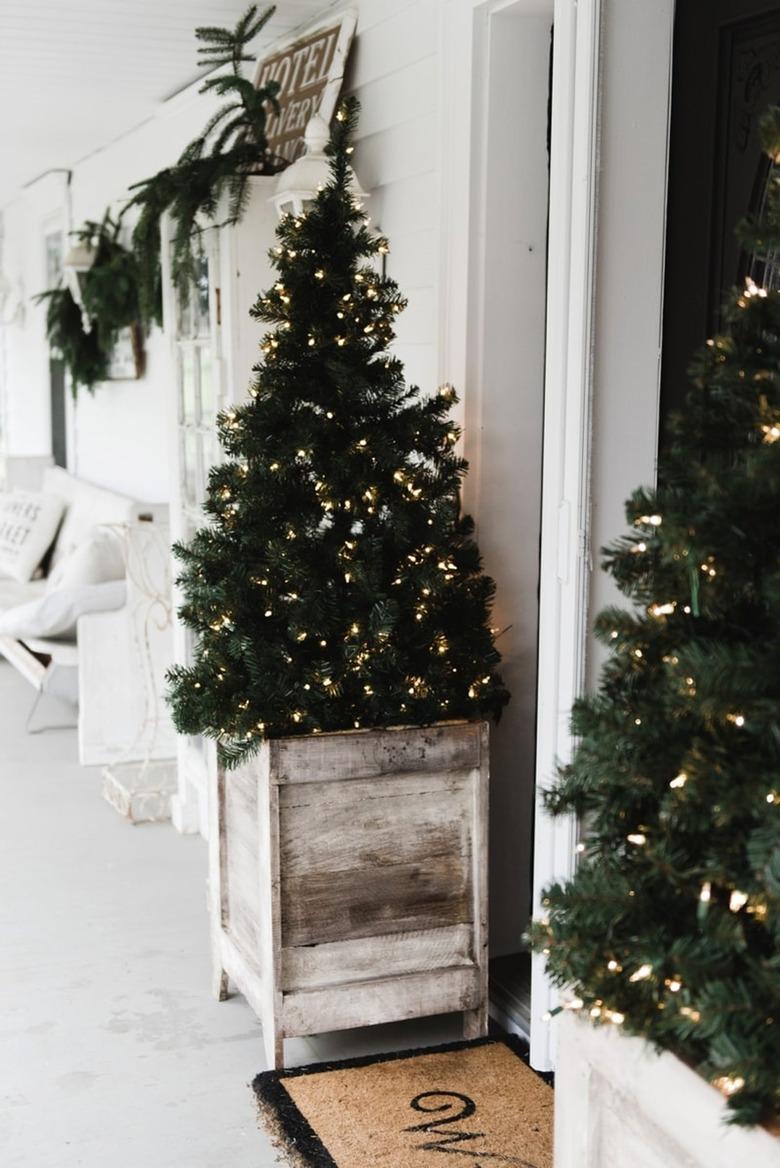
(240, 851)
(216, 882)
(330, 827)
(390, 999)
(475, 1022)
(318, 966)
(336, 906)
(363, 754)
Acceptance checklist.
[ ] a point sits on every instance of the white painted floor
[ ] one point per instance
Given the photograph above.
(112, 1052)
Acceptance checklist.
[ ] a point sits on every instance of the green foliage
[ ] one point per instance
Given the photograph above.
(337, 585)
(671, 923)
(110, 292)
(81, 352)
(231, 147)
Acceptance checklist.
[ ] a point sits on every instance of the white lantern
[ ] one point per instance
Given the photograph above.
(75, 266)
(297, 186)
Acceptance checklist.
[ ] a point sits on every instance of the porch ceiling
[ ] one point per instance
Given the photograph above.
(76, 74)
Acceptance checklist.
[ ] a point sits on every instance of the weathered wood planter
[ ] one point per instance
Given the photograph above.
(348, 880)
(619, 1102)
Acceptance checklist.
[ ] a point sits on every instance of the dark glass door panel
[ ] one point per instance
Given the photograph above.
(726, 73)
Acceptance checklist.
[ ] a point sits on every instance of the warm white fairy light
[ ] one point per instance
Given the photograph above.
(659, 610)
(737, 719)
(643, 973)
(737, 900)
(705, 895)
(637, 837)
(679, 781)
(729, 1084)
(614, 966)
(689, 1012)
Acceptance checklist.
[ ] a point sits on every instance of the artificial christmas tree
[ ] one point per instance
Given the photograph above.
(337, 586)
(670, 926)
(344, 660)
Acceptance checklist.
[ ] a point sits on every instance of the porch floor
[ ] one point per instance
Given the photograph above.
(113, 1051)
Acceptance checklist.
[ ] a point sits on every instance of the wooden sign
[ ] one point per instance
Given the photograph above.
(310, 72)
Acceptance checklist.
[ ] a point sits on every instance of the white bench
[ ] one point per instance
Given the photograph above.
(51, 664)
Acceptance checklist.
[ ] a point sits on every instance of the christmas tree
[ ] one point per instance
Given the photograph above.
(337, 585)
(670, 926)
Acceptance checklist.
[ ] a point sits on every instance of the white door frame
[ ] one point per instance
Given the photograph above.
(568, 365)
(565, 547)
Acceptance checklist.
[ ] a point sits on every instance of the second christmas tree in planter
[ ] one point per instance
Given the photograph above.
(345, 661)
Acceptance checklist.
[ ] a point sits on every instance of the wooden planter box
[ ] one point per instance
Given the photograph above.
(619, 1102)
(348, 880)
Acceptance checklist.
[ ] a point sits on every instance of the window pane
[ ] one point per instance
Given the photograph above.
(190, 467)
(187, 386)
(208, 396)
(200, 298)
(212, 451)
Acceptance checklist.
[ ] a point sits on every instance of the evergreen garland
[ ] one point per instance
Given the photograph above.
(670, 926)
(110, 292)
(231, 147)
(337, 585)
(81, 352)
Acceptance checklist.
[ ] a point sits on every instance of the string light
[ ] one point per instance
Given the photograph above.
(643, 973)
(679, 782)
(737, 900)
(729, 1084)
(637, 837)
(705, 895)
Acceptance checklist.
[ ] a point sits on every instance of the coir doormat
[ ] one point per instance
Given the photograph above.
(474, 1104)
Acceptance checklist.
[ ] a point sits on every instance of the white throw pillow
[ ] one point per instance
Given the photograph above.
(28, 524)
(56, 613)
(95, 561)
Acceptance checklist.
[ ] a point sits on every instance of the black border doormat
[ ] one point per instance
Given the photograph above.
(469, 1104)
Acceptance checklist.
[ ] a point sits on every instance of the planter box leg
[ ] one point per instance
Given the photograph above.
(220, 986)
(475, 1022)
(274, 1046)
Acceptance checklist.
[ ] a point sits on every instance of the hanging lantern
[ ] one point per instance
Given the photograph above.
(75, 267)
(297, 186)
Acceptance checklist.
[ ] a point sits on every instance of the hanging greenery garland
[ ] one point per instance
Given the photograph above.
(85, 335)
(219, 162)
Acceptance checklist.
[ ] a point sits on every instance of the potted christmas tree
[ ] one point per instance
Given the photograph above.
(345, 663)
(669, 929)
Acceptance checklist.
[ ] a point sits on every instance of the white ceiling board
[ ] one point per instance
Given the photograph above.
(76, 74)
